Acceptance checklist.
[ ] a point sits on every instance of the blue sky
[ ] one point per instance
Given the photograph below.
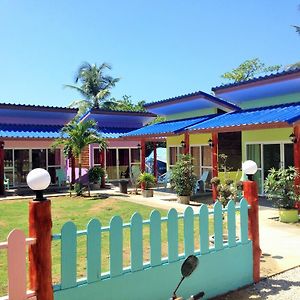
(159, 48)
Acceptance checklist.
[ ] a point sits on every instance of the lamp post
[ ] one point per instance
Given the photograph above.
(249, 167)
(40, 226)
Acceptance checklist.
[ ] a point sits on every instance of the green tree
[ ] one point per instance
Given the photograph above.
(248, 70)
(93, 84)
(75, 136)
(125, 104)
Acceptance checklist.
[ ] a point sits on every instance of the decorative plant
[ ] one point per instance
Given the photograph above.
(183, 179)
(229, 189)
(280, 187)
(226, 191)
(147, 179)
(95, 174)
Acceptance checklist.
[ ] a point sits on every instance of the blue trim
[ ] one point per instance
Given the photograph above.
(260, 78)
(206, 96)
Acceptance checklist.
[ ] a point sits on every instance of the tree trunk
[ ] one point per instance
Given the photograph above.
(79, 166)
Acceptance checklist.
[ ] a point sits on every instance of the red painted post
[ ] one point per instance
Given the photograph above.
(40, 265)
(297, 160)
(154, 159)
(251, 195)
(143, 158)
(102, 164)
(187, 142)
(214, 162)
(2, 190)
(73, 169)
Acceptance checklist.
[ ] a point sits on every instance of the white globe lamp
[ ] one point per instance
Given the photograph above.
(249, 168)
(38, 180)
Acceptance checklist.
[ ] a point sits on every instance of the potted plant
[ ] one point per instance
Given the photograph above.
(95, 175)
(147, 181)
(280, 187)
(183, 179)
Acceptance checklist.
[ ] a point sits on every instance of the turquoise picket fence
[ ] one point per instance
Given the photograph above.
(223, 265)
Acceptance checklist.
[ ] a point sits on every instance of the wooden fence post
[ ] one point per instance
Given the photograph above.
(40, 266)
(251, 195)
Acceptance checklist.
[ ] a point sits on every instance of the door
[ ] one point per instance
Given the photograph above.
(111, 164)
(271, 157)
(21, 165)
(123, 163)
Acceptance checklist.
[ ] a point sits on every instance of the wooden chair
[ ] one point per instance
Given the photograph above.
(201, 183)
(6, 182)
(164, 179)
(61, 177)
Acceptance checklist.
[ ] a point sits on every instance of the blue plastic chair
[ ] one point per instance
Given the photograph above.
(6, 182)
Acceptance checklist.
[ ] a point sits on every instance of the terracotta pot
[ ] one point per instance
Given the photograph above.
(147, 193)
(183, 199)
(288, 215)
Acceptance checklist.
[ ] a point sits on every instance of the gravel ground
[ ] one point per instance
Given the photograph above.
(283, 286)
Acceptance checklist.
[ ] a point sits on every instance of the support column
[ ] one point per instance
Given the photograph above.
(73, 175)
(143, 158)
(2, 190)
(187, 142)
(102, 164)
(251, 195)
(297, 159)
(40, 261)
(214, 162)
(154, 160)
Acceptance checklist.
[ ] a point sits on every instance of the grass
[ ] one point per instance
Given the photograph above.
(14, 214)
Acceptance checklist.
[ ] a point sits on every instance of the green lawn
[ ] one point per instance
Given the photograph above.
(14, 214)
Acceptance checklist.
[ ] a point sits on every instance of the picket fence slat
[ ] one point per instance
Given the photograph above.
(172, 235)
(189, 231)
(16, 257)
(244, 220)
(204, 229)
(116, 246)
(68, 255)
(218, 226)
(136, 242)
(93, 250)
(155, 238)
(231, 223)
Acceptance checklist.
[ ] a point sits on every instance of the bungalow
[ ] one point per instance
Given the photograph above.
(256, 119)
(27, 133)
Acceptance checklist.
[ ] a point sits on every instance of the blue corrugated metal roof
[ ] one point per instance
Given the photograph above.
(168, 126)
(30, 131)
(49, 131)
(285, 113)
(269, 76)
(112, 133)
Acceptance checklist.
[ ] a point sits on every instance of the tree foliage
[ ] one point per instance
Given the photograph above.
(124, 104)
(93, 84)
(75, 136)
(248, 70)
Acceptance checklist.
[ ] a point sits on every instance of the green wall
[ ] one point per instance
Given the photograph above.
(267, 101)
(192, 113)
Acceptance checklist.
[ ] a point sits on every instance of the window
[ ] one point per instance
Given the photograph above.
(97, 157)
(54, 162)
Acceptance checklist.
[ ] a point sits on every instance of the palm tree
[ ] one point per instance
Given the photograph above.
(75, 136)
(95, 85)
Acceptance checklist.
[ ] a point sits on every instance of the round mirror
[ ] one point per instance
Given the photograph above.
(189, 265)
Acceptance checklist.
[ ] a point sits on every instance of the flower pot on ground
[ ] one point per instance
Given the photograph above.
(95, 175)
(146, 181)
(183, 179)
(280, 188)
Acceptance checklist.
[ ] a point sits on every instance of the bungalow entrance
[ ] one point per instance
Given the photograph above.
(269, 155)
